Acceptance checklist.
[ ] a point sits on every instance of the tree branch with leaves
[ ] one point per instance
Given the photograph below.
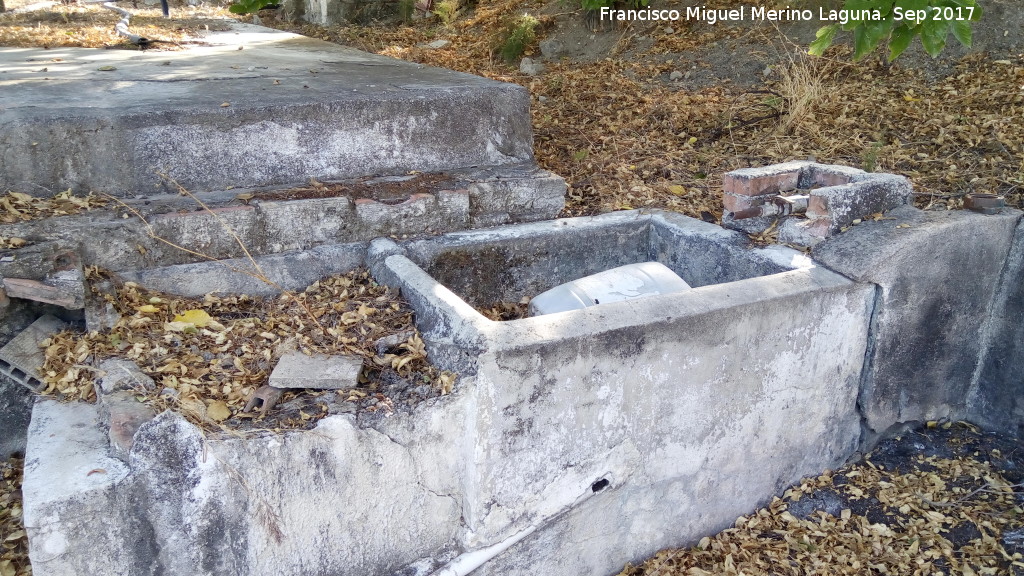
(898, 22)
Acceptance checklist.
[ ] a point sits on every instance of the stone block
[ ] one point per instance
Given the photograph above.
(495, 202)
(867, 194)
(320, 220)
(356, 114)
(996, 398)
(70, 492)
(936, 274)
(213, 233)
(318, 372)
(287, 271)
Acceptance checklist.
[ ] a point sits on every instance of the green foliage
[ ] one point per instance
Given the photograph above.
(250, 6)
(518, 37)
(406, 10)
(901, 21)
(598, 4)
(446, 11)
(869, 159)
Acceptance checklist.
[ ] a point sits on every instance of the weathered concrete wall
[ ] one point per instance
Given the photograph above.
(996, 398)
(662, 402)
(338, 499)
(15, 412)
(937, 274)
(667, 398)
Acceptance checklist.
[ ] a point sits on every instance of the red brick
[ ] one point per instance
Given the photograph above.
(745, 185)
(736, 203)
(817, 207)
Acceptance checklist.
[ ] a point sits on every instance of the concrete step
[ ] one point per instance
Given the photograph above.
(269, 222)
(253, 107)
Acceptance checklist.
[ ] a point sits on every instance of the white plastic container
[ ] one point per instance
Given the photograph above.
(622, 283)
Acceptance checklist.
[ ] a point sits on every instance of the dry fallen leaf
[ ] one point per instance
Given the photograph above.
(218, 411)
(197, 318)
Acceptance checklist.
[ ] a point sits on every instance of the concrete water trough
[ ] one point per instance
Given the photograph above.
(572, 443)
(624, 427)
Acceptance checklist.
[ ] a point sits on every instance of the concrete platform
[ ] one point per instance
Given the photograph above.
(255, 107)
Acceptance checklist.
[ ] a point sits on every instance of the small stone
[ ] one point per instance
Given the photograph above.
(393, 341)
(123, 375)
(319, 372)
(675, 75)
(169, 393)
(100, 315)
(669, 30)
(542, 99)
(437, 44)
(530, 68)
(342, 408)
(552, 48)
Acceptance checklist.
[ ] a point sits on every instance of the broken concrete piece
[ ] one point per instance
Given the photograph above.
(21, 358)
(319, 372)
(837, 196)
(62, 293)
(393, 341)
(123, 375)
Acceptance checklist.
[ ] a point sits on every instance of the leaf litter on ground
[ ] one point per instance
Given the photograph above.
(216, 351)
(13, 540)
(937, 501)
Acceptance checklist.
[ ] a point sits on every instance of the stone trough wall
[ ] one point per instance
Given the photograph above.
(573, 442)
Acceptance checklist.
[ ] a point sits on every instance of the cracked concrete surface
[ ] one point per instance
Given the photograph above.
(254, 107)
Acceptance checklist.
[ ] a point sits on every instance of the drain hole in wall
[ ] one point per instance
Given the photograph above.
(600, 485)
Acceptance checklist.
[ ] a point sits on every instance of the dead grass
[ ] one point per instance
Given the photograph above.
(92, 26)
